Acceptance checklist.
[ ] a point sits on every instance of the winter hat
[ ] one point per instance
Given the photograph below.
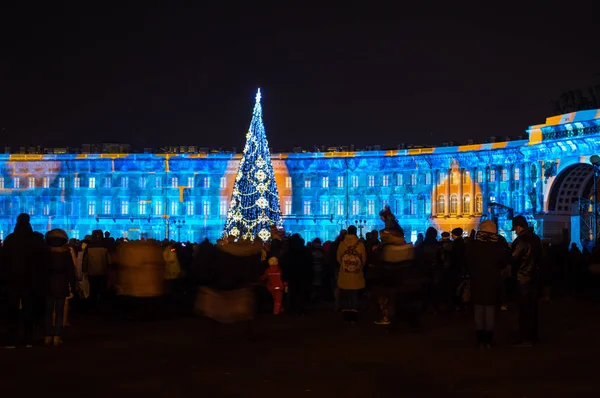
(273, 261)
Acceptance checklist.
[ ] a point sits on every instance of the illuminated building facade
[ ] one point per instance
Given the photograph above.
(185, 196)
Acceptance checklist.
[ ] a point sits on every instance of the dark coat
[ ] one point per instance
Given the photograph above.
(60, 273)
(487, 256)
(527, 257)
(21, 260)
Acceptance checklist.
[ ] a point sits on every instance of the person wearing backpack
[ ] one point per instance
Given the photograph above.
(352, 256)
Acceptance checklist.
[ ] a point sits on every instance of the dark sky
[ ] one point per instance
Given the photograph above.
(160, 76)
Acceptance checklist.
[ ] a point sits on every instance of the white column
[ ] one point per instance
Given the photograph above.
(473, 183)
(447, 207)
(434, 192)
(460, 209)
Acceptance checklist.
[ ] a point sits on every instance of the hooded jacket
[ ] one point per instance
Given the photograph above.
(355, 279)
(59, 269)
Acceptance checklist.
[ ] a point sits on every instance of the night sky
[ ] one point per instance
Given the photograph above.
(155, 76)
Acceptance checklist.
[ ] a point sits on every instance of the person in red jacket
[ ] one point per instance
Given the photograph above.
(275, 284)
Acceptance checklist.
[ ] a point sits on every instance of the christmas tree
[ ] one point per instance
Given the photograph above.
(254, 206)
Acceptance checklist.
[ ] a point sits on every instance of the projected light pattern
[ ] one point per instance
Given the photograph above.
(138, 195)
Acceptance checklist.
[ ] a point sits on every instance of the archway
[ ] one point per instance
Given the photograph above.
(572, 183)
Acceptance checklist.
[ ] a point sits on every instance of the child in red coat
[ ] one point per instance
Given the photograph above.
(275, 284)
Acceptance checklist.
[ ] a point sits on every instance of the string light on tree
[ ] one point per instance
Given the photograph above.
(254, 205)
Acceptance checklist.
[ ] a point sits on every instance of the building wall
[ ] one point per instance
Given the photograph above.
(185, 196)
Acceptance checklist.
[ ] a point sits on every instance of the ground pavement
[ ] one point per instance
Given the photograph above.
(312, 356)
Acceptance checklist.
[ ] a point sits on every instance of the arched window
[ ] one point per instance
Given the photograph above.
(467, 204)
(441, 204)
(453, 204)
(479, 204)
(517, 173)
(516, 202)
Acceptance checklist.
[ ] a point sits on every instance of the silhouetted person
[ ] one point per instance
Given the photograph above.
(527, 254)
(21, 261)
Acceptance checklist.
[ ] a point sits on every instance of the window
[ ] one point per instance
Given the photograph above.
(384, 203)
(517, 174)
(287, 209)
(223, 183)
(412, 206)
(92, 208)
(125, 182)
(143, 207)
(189, 208)
(205, 182)
(340, 208)
(106, 205)
(174, 182)
(46, 182)
(441, 204)
(453, 204)
(1, 182)
(467, 175)
(413, 179)
(492, 197)
(370, 207)
(108, 182)
(158, 208)
(504, 174)
(76, 182)
(46, 209)
(453, 178)
(428, 179)
(385, 181)
(124, 207)
(479, 204)
(399, 179)
(31, 208)
(288, 182)
(325, 182)
(158, 182)
(467, 204)
(31, 182)
(371, 181)
(492, 175)
(223, 208)
(206, 208)
(354, 181)
(307, 183)
(174, 208)
(190, 183)
(61, 183)
(442, 177)
(92, 182)
(324, 208)
(340, 182)
(16, 182)
(479, 176)
(355, 207)
(306, 207)
(143, 182)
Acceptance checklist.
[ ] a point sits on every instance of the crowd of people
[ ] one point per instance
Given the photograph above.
(42, 276)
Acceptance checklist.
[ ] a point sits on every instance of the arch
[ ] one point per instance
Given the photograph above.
(467, 204)
(574, 182)
(441, 204)
(453, 203)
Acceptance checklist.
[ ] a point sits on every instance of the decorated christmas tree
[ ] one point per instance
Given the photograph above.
(254, 206)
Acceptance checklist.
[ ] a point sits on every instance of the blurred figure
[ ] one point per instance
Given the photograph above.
(430, 257)
(60, 284)
(228, 296)
(275, 284)
(486, 256)
(298, 273)
(319, 264)
(96, 260)
(140, 278)
(172, 275)
(352, 256)
(21, 268)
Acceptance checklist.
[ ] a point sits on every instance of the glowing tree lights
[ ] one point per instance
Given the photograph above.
(254, 203)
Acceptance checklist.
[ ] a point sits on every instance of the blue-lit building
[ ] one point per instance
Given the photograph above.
(184, 195)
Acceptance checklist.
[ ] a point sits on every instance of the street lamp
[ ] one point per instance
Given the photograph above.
(361, 224)
(595, 161)
(178, 224)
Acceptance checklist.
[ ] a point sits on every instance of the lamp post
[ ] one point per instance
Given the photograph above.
(595, 161)
(361, 224)
(178, 224)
